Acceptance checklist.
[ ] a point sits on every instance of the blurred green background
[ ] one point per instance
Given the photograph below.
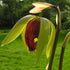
(13, 10)
(14, 56)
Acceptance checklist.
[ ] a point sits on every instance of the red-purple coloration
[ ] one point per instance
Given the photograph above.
(32, 32)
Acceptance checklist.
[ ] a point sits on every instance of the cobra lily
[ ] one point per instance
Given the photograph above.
(36, 33)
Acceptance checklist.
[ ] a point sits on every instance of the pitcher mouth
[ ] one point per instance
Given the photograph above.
(32, 33)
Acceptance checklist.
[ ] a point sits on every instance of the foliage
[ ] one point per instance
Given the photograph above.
(12, 10)
(66, 18)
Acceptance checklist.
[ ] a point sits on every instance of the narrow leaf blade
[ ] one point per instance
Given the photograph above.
(43, 37)
(51, 41)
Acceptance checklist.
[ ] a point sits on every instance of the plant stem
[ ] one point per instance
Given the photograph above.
(63, 49)
(56, 38)
(61, 58)
(53, 50)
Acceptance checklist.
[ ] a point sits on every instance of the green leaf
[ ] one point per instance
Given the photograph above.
(51, 40)
(16, 30)
(43, 36)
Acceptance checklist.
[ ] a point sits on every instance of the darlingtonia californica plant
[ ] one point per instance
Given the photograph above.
(37, 32)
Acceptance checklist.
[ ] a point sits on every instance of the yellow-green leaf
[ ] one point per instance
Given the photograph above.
(23, 36)
(43, 36)
(51, 40)
(16, 30)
